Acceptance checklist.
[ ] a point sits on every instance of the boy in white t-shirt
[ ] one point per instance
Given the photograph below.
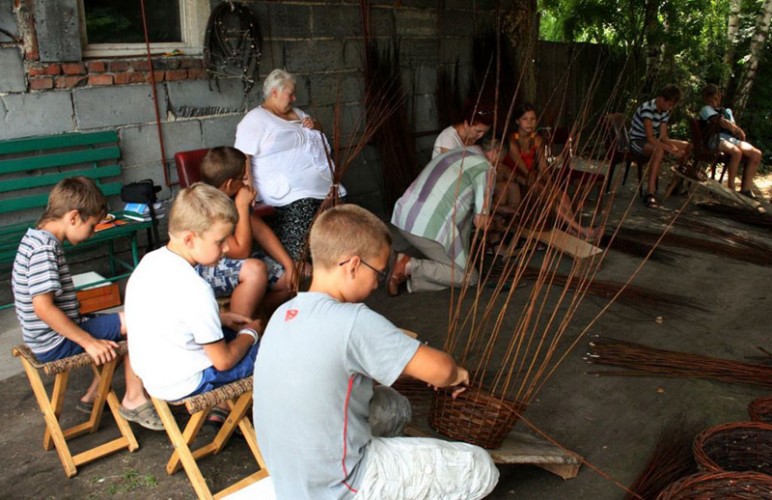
(181, 347)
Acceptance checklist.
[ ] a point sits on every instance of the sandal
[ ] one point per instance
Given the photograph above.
(144, 415)
(748, 194)
(397, 274)
(650, 201)
(85, 407)
(217, 417)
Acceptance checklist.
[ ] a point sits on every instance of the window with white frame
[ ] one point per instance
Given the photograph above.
(115, 27)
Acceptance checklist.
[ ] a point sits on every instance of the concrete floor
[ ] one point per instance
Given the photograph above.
(613, 422)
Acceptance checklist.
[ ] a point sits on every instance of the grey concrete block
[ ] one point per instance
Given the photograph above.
(40, 113)
(327, 89)
(194, 98)
(456, 50)
(140, 146)
(7, 20)
(413, 51)
(336, 21)
(421, 80)
(462, 4)
(457, 23)
(382, 22)
(273, 57)
(282, 20)
(220, 130)
(416, 22)
(57, 26)
(419, 4)
(97, 107)
(315, 56)
(12, 74)
(354, 55)
(425, 113)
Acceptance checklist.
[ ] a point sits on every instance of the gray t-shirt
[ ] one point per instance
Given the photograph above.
(313, 383)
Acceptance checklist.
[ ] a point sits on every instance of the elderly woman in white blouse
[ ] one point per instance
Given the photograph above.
(288, 154)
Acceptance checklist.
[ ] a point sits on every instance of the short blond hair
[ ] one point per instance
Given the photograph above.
(198, 207)
(74, 193)
(345, 231)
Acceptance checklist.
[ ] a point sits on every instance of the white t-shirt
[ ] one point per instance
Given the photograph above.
(170, 313)
(448, 139)
(289, 162)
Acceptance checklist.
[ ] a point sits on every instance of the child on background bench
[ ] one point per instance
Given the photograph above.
(47, 306)
(730, 139)
(184, 345)
(225, 168)
(324, 429)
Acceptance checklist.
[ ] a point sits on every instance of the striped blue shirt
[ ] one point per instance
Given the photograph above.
(647, 111)
(441, 203)
(39, 268)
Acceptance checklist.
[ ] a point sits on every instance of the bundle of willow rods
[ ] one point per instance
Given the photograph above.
(671, 459)
(731, 251)
(639, 249)
(631, 295)
(640, 360)
(698, 226)
(741, 215)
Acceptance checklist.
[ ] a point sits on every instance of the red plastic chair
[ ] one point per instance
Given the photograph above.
(189, 172)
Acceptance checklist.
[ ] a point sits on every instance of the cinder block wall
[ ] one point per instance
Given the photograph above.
(46, 87)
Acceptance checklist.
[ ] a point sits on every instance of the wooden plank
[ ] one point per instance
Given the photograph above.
(59, 159)
(51, 179)
(40, 143)
(561, 241)
(719, 189)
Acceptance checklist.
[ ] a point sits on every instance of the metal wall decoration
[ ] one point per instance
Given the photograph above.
(233, 45)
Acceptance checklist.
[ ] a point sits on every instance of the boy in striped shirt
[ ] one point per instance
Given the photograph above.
(46, 304)
(649, 138)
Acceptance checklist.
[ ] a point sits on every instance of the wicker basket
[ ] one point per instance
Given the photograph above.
(738, 446)
(720, 485)
(475, 417)
(418, 392)
(760, 410)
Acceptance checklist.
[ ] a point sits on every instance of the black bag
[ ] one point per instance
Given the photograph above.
(140, 192)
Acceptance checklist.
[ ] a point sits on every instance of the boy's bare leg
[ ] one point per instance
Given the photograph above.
(253, 281)
(655, 161)
(735, 156)
(135, 391)
(753, 156)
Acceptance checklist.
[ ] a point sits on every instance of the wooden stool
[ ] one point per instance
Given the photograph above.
(52, 408)
(239, 397)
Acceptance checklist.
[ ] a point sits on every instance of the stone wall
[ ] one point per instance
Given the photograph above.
(46, 87)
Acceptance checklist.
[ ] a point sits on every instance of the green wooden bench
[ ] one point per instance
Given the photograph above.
(31, 166)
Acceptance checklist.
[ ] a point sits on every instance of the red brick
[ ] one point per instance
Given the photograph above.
(52, 69)
(131, 77)
(197, 74)
(96, 66)
(69, 82)
(140, 65)
(36, 71)
(41, 83)
(117, 66)
(176, 74)
(100, 80)
(191, 63)
(73, 69)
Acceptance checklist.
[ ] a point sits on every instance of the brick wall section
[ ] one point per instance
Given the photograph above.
(112, 72)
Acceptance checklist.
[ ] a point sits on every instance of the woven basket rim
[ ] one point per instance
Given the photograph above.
(703, 437)
(759, 408)
(704, 477)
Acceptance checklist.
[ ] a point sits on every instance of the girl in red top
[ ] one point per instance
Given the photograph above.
(528, 172)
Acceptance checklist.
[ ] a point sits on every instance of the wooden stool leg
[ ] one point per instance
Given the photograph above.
(182, 449)
(53, 429)
(57, 400)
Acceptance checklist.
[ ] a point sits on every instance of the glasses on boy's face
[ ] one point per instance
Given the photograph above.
(381, 274)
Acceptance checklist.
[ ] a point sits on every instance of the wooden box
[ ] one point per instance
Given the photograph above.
(101, 296)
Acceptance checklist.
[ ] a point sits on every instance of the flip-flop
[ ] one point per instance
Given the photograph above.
(144, 415)
(217, 417)
(84, 407)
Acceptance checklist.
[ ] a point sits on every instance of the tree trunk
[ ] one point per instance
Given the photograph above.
(732, 36)
(650, 26)
(520, 24)
(758, 42)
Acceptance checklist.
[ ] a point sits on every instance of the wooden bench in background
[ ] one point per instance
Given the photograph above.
(31, 166)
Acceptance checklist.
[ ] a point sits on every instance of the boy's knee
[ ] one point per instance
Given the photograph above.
(253, 270)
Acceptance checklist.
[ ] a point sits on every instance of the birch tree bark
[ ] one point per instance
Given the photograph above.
(732, 34)
(758, 42)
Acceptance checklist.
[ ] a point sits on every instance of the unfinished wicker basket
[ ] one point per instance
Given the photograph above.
(418, 392)
(720, 485)
(737, 446)
(475, 417)
(760, 409)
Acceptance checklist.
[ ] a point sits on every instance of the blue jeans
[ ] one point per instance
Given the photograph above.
(212, 378)
(100, 326)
